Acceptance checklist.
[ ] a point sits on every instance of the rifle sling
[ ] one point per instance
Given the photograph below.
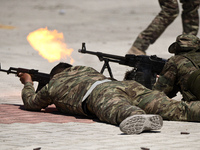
(92, 88)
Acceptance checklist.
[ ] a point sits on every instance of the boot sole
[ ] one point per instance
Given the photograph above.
(139, 123)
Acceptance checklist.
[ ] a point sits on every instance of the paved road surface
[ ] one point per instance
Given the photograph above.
(106, 26)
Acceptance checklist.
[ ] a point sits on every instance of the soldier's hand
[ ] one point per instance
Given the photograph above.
(25, 77)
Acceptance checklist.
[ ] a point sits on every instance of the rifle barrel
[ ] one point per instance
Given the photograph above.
(3, 70)
(100, 54)
(8, 71)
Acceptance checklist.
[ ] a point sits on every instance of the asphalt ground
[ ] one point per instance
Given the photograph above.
(105, 26)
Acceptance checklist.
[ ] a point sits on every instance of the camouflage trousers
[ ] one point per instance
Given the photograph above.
(112, 102)
(169, 11)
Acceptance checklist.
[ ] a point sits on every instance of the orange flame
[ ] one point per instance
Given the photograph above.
(49, 44)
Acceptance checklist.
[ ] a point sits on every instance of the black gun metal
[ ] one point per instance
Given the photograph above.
(41, 78)
(147, 66)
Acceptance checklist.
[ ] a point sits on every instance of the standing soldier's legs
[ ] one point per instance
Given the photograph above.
(169, 11)
(190, 16)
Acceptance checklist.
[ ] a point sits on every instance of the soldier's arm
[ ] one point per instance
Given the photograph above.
(167, 79)
(31, 99)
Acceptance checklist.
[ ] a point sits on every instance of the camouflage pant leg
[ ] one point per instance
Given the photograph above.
(169, 11)
(111, 102)
(190, 16)
(157, 103)
(193, 110)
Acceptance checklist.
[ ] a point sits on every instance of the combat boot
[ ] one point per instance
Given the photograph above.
(138, 123)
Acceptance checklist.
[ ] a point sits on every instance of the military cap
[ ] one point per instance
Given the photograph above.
(184, 42)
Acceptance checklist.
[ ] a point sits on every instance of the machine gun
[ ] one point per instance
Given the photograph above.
(41, 78)
(145, 68)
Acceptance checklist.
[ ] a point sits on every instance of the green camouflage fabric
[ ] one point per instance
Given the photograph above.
(169, 11)
(177, 70)
(185, 43)
(114, 101)
(110, 102)
(175, 74)
(65, 90)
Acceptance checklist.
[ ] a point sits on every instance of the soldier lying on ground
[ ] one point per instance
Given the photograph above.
(178, 73)
(81, 90)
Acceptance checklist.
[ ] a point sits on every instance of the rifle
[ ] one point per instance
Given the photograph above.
(41, 78)
(145, 68)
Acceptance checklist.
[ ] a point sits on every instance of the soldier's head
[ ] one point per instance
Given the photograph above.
(185, 43)
(59, 68)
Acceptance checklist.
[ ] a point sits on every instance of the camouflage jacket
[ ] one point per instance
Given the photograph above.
(175, 74)
(66, 90)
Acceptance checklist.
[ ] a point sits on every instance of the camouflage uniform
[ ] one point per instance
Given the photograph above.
(169, 11)
(178, 68)
(111, 102)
